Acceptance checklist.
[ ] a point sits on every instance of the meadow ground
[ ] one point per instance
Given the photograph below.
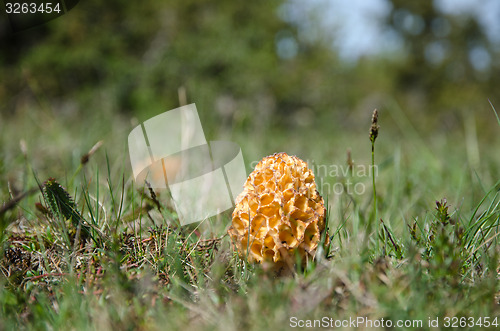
(426, 256)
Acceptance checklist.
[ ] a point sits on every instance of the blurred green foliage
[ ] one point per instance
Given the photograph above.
(131, 58)
(448, 59)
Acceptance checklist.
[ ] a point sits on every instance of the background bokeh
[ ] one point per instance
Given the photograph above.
(270, 75)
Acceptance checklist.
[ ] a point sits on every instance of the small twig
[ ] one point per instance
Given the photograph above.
(396, 248)
(85, 158)
(13, 202)
(57, 274)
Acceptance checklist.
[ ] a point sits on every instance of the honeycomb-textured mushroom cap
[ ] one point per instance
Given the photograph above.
(279, 212)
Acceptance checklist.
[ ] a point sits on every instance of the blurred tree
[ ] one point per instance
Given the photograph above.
(247, 65)
(448, 58)
(241, 62)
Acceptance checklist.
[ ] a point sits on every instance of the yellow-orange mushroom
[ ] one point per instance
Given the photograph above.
(279, 213)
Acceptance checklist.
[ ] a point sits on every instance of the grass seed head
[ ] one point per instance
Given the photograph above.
(374, 127)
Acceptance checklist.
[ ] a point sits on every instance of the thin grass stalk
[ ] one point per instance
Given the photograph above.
(373, 136)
